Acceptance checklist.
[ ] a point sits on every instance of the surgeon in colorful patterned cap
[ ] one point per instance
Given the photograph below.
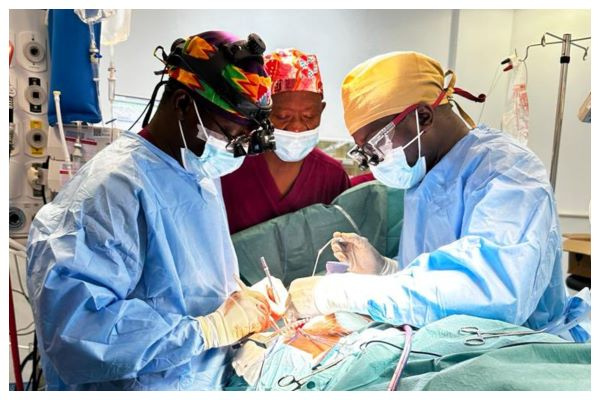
(131, 269)
(296, 174)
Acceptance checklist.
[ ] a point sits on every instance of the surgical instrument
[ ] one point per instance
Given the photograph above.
(479, 338)
(289, 380)
(265, 268)
(243, 286)
(338, 240)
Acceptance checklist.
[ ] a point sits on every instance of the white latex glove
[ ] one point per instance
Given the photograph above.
(322, 295)
(243, 312)
(277, 296)
(301, 300)
(362, 257)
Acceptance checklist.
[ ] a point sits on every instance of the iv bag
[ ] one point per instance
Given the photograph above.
(515, 120)
(115, 29)
(92, 16)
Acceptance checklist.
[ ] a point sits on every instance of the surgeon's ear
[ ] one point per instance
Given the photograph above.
(323, 104)
(425, 115)
(181, 102)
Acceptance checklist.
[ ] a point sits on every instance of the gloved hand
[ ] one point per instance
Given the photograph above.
(243, 312)
(276, 296)
(301, 300)
(362, 257)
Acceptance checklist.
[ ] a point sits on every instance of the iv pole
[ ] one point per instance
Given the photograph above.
(565, 58)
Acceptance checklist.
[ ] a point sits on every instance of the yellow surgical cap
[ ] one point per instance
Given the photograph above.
(388, 84)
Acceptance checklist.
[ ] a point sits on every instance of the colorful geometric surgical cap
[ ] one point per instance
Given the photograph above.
(293, 70)
(248, 76)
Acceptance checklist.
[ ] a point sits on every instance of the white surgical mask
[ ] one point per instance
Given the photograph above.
(395, 172)
(294, 146)
(215, 160)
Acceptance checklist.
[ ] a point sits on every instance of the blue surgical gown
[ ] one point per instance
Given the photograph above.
(119, 264)
(480, 237)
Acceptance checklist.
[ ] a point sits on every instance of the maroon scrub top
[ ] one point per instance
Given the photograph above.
(251, 194)
(358, 179)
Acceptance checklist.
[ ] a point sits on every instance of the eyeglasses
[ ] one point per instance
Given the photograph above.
(373, 152)
(257, 141)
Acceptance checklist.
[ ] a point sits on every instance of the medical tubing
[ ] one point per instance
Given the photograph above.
(34, 367)
(16, 261)
(14, 343)
(18, 252)
(16, 245)
(61, 130)
(349, 218)
(364, 345)
(319, 255)
(403, 357)
(529, 343)
(94, 56)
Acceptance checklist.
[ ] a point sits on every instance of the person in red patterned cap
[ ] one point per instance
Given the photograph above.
(296, 174)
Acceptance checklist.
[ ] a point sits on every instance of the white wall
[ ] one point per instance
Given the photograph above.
(574, 168)
(340, 38)
(484, 39)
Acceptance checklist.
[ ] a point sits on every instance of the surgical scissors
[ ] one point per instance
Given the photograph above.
(480, 337)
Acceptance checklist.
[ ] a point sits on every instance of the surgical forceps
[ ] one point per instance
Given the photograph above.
(480, 337)
(289, 380)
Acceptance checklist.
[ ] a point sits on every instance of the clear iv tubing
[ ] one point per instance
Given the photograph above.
(94, 55)
(61, 130)
(112, 77)
(112, 81)
(319, 255)
(349, 218)
(95, 64)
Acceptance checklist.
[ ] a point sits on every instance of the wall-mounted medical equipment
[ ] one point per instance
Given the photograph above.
(28, 124)
(31, 51)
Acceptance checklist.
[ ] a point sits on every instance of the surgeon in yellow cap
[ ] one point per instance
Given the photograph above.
(480, 234)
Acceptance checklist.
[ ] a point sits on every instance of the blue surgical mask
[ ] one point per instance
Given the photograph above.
(215, 160)
(395, 172)
(294, 146)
